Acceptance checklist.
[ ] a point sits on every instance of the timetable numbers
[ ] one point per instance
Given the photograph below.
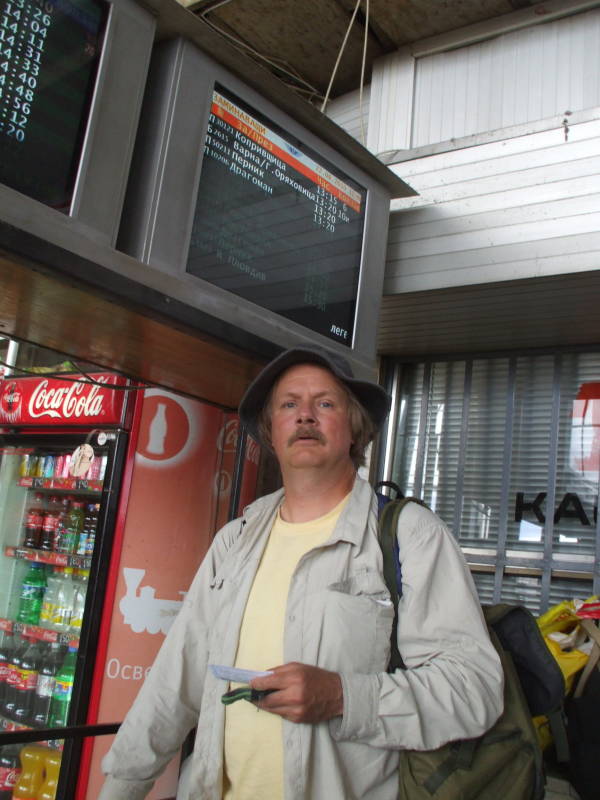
(24, 28)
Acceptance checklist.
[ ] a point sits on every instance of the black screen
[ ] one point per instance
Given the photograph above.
(49, 54)
(275, 223)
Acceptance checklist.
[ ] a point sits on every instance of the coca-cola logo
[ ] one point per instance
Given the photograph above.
(77, 400)
(10, 401)
(228, 436)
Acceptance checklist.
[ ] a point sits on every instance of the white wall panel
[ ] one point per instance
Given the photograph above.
(392, 96)
(346, 112)
(523, 207)
(520, 76)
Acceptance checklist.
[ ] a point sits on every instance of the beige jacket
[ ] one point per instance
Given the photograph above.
(339, 617)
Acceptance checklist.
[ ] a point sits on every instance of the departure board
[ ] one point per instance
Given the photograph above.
(49, 54)
(275, 223)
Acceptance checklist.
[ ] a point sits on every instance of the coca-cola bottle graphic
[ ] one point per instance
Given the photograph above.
(157, 431)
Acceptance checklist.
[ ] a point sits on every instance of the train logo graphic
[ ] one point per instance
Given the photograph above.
(141, 609)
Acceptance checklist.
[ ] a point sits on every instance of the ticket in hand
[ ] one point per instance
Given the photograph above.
(235, 674)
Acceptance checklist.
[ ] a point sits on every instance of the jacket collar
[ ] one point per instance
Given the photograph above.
(359, 511)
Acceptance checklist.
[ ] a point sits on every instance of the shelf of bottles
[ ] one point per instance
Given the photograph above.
(44, 557)
(87, 485)
(38, 632)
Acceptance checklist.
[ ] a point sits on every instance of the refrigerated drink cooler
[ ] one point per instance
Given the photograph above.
(62, 450)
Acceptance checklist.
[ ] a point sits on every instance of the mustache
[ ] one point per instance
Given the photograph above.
(306, 432)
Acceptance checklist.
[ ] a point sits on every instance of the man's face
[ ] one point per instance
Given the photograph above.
(310, 424)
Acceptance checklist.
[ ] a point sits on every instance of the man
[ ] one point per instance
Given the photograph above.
(295, 587)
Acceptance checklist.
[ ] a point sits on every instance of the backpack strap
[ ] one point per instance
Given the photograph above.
(392, 570)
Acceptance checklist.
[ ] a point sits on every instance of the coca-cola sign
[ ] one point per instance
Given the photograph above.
(57, 401)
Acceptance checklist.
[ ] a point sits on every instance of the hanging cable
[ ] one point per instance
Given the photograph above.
(87, 379)
(281, 66)
(362, 77)
(339, 58)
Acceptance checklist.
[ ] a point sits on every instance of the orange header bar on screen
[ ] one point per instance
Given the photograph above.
(268, 144)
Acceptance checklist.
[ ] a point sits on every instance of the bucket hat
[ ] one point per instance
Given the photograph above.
(374, 399)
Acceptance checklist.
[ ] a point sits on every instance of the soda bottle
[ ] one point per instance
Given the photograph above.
(6, 649)
(64, 505)
(28, 678)
(63, 688)
(63, 607)
(71, 528)
(50, 597)
(48, 466)
(80, 590)
(48, 535)
(47, 790)
(24, 465)
(32, 595)
(10, 770)
(31, 778)
(33, 521)
(45, 685)
(12, 678)
(91, 537)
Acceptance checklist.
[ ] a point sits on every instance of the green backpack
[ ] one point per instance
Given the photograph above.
(506, 762)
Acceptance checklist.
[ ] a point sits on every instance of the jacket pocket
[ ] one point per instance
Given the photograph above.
(356, 622)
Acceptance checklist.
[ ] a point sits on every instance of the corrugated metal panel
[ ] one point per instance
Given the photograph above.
(346, 111)
(517, 208)
(392, 102)
(536, 312)
(502, 450)
(518, 77)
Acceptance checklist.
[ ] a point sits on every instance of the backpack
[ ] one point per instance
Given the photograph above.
(505, 762)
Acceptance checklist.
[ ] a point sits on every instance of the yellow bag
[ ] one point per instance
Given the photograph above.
(570, 661)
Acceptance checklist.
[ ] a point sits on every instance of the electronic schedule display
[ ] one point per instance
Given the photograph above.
(276, 223)
(49, 55)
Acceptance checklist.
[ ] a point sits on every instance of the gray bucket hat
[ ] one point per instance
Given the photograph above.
(374, 399)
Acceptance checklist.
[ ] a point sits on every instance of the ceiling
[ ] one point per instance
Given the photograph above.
(300, 41)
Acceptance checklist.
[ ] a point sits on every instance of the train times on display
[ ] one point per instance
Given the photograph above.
(49, 53)
(276, 223)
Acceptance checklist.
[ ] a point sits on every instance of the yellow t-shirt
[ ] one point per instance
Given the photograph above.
(253, 757)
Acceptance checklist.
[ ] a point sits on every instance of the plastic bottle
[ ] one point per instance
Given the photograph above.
(47, 790)
(32, 595)
(91, 537)
(48, 535)
(24, 465)
(63, 607)
(63, 510)
(14, 667)
(48, 610)
(80, 590)
(63, 688)
(10, 770)
(6, 649)
(71, 528)
(32, 772)
(33, 521)
(28, 678)
(45, 685)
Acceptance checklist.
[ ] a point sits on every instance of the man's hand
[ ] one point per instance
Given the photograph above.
(301, 693)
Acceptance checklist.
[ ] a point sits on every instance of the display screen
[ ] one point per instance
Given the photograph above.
(276, 223)
(49, 54)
